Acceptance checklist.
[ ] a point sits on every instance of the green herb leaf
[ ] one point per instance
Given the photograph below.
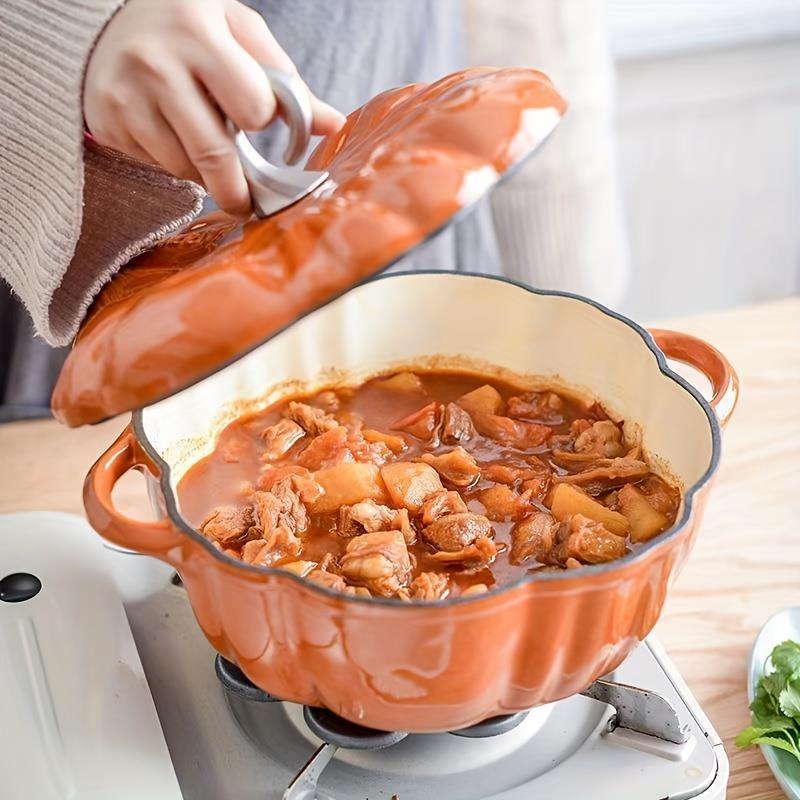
(789, 698)
(781, 744)
(785, 658)
(775, 710)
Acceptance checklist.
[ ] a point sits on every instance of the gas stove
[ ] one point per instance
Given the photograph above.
(638, 733)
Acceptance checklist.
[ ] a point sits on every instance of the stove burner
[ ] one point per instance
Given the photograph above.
(638, 711)
(236, 682)
(336, 730)
(493, 726)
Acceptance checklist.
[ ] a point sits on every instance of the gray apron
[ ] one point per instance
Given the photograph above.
(347, 51)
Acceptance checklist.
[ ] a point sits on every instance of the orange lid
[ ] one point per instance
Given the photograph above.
(402, 166)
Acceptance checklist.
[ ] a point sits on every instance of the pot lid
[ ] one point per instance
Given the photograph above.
(402, 167)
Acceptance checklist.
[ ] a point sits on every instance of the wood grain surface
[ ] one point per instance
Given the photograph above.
(745, 566)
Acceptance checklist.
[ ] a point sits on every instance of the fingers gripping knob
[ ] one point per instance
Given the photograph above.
(273, 188)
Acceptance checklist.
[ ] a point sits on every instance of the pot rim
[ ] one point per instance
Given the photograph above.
(587, 572)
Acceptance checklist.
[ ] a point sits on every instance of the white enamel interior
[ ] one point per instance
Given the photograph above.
(477, 321)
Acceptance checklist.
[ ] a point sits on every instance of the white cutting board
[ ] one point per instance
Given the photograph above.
(77, 721)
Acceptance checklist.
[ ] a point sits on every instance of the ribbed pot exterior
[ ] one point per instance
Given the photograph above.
(429, 667)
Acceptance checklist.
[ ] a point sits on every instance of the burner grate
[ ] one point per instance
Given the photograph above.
(637, 710)
(333, 729)
(338, 731)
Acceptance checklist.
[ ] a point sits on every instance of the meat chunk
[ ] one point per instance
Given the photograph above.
(440, 505)
(280, 438)
(545, 407)
(422, 424)
(292, 492)
(456, 425)
(301, 568)
(573, 461)
(402, 523)
(534, 537)
(262, 553)
(482, 551)
(366, 516)
(378, 561)
(587, 541)
(271, 475)
(227, 525)
(427, 586)
(327, 450)
(539, 484)
(603, 439)
(377, 453)
(328, 401)
(329, 580)
(513, 432)
(456, 466)
(508, 475)
(306, 487)
(267, 508)
(279, 517)
(456, 531)
(396, 444)
(607, 473)
(314, 421)
(410, 484)
(484, 400)
(663, 498)
(502, 503)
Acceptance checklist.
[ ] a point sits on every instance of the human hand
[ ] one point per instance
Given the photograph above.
(164, 72)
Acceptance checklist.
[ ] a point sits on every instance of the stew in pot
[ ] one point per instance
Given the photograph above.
(424, 486)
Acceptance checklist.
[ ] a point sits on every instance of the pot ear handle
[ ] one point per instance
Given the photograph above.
(150, 538)
(701, 355)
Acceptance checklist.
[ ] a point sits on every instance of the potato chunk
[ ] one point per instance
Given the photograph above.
(347, 484)
(569, 501)
(644, 520)
(483, 400)
(402, 382)
(410, 484)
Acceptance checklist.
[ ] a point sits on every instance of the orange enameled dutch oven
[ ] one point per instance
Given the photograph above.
(430, 666)
(250, 313)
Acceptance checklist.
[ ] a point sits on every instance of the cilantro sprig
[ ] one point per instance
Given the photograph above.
(775, 710)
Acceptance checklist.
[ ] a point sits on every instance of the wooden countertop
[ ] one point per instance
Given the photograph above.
(745, 566)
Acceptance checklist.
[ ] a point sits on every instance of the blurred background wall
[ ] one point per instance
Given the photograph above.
(701, 136)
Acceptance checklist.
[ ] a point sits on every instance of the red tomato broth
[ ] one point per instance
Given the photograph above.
(230, 473)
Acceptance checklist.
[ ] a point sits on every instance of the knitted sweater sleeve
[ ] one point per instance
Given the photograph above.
(71, 212)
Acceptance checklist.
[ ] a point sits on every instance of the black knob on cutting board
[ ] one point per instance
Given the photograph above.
(19, 586)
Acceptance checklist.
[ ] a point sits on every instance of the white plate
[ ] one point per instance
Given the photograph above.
(778, 628)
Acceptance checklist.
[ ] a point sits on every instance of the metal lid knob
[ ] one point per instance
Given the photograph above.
(273, 188)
